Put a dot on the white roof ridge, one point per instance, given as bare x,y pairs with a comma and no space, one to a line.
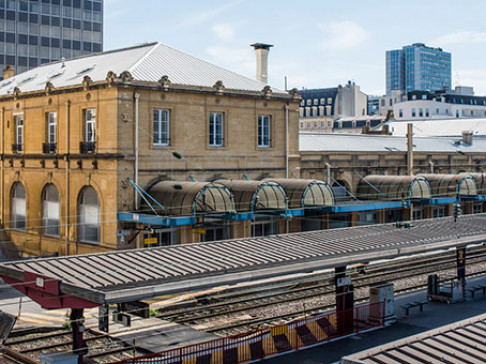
146,55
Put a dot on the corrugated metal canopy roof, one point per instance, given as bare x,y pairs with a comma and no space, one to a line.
441,127
349,143
148,62
143,273
461,342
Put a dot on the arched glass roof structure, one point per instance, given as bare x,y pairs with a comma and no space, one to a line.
450,185
256,195
189,198
381,187
306,193
480,179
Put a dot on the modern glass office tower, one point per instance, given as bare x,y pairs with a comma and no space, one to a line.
33,32
418,67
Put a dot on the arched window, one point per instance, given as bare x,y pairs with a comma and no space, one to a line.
18,213
51,210
89,216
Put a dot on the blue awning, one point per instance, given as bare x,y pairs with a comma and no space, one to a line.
371,206
435,201
156,220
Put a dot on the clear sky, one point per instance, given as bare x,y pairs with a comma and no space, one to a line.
317,43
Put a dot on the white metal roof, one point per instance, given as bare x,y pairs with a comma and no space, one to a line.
148,62
381,143
444,127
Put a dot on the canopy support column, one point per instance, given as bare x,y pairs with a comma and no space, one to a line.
461,267
77,326
344,300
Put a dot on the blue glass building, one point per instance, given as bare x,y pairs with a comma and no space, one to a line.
33,32
418,67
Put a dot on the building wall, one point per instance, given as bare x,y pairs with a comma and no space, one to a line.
113,160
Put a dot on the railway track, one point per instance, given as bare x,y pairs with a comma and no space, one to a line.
266,297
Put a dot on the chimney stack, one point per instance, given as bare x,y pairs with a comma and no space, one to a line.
467,137
8,72
261,51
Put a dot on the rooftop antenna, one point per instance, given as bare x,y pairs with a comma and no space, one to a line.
456,78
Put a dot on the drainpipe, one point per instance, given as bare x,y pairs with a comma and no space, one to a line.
136,97
410,149
287,140
68,167
328,168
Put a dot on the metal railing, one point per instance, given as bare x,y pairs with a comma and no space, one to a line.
87,147
278,339
49,147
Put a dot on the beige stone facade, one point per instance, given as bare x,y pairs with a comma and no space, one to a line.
106,164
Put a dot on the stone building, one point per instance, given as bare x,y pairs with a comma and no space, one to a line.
74,133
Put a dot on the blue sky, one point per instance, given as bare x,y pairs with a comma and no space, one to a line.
317,43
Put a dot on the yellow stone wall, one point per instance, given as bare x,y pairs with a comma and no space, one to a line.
107,169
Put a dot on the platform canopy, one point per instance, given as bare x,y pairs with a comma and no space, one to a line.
480,179
451,185
381,187
127,275
189,198
306,193
256,195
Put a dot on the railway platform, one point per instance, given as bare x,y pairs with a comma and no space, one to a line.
434,315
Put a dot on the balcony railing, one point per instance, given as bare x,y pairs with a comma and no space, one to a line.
49,147
87,147
17,148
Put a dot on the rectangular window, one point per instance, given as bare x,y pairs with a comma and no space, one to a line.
216,129
264,131
52,128
89,144
161,127
90,119
414,113
19,133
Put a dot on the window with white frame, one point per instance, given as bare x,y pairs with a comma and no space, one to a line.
264,131
89,216
18,206
19,132
52,127
90,124
161,127
51,210
216,129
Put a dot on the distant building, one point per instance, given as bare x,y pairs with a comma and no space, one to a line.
35,32
417,67
373,105
460,103
319,108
